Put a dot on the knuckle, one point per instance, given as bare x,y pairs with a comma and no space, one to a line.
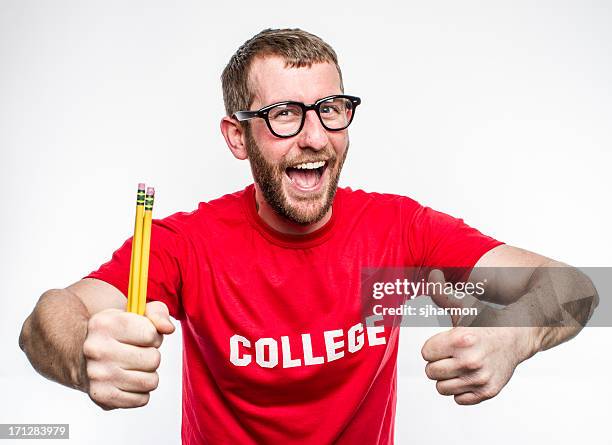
472,363
148,333
91,349
483,378
475,376
157,306
155,358
425,352
463,337
97,373
154,381
159,339
141,382
464,399
442,389
124,320
476,380
148,382
141,400
428,371
99,322
150,358
487,393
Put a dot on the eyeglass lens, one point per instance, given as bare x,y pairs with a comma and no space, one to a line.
335,114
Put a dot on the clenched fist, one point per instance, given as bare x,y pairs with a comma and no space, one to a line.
122,356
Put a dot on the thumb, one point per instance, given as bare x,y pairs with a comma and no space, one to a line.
441,295
157,312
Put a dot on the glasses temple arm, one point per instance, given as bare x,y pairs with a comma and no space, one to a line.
246,115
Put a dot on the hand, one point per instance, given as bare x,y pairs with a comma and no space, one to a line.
122,356
472,364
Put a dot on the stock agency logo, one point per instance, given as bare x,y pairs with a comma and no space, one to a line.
416,297
409,289
538,296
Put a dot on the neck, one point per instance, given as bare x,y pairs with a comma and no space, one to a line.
282,224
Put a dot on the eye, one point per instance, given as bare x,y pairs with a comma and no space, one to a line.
334,107
328,109
284,112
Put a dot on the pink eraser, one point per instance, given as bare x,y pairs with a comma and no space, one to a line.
151,191
141,186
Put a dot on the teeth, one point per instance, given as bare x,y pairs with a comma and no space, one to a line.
310,165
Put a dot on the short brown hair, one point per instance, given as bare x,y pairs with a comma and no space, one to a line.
296,47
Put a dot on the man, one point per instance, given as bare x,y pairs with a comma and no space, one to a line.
266,282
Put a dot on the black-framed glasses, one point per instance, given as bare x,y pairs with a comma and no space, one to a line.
286,119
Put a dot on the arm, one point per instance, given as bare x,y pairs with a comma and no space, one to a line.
53,335
552,300
82,337
546,303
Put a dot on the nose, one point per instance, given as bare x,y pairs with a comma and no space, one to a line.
313,135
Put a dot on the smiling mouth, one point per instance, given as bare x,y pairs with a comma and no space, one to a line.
307,175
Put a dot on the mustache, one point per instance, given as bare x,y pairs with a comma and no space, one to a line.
329,158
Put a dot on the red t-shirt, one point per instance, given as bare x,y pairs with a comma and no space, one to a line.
275,348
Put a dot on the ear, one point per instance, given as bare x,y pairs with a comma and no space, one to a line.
234,137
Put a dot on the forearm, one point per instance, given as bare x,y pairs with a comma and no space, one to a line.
52,338
557,302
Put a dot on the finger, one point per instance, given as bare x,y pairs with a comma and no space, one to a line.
437,347
129,357
157,312
125,327
138,381
463,337
110,397
136,330
467,398
444,369
454,386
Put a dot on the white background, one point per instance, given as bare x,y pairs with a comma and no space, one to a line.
496,112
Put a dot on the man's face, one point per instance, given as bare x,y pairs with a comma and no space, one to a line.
299,194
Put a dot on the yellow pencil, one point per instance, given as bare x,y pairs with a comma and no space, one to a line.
133,285
146,245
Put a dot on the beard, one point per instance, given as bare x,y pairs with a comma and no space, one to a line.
269,177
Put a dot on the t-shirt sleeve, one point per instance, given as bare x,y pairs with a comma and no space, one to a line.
164,278
438,240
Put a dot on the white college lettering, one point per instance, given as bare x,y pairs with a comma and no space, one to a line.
260,352
333,347
373,340
309,359
267,353
288,362
246,358
355,341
